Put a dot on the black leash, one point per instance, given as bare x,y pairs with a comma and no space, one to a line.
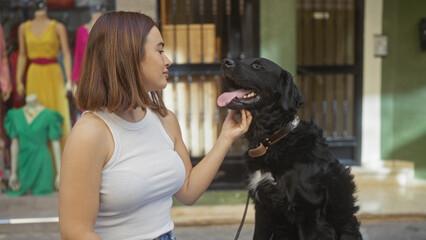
244,217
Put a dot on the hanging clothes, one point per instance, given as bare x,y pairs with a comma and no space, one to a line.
35,166
80,47
5,84
17,101
6,88
44,75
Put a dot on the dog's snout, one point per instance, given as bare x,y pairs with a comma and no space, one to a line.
229,62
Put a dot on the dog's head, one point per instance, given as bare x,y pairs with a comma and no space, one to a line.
258,83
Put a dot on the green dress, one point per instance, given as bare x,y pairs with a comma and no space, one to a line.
35,166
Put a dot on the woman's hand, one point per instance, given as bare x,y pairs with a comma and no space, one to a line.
199,177
232,129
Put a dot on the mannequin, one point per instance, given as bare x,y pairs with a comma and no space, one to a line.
81,40
38,25
29,128
40,40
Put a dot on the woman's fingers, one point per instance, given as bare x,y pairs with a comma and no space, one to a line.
243,118
248,119
245,121
231,114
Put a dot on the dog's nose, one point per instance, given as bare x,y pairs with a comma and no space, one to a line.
229,62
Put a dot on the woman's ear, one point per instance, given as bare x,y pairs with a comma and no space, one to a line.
290,95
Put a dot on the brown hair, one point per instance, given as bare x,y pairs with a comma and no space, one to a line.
111,75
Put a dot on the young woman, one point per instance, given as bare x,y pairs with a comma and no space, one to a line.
125,158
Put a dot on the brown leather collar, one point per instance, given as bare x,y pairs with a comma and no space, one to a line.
278,135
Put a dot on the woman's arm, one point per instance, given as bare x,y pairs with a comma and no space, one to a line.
88,147
199,178
66,55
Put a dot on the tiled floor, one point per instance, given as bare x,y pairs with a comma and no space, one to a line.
391,192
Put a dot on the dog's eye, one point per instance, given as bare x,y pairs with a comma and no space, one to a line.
257,66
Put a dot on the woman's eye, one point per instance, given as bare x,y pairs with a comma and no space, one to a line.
257,66
161,51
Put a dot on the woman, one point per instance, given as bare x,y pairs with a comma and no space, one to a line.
125,158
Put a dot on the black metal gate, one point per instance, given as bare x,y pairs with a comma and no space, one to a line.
198,35
330,44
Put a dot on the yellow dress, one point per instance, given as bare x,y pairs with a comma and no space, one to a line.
46,79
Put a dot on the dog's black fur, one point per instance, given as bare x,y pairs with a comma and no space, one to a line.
309,194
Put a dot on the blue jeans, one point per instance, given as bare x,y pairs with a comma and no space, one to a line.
166,236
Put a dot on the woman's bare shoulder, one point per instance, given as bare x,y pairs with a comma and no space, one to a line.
170,124
91,128
90,121
90,138
169,120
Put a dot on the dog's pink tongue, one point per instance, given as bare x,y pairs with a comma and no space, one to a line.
227,97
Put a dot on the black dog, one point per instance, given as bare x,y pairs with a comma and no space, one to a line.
300,190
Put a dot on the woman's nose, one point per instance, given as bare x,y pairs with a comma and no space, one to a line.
168,61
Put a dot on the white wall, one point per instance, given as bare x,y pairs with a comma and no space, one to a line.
372,77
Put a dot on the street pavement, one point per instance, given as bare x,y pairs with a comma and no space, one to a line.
370,231
389,211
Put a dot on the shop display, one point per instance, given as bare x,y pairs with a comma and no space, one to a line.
30,128
44,75
35,59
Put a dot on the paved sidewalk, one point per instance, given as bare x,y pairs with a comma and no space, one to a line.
384,195
370,231
392,207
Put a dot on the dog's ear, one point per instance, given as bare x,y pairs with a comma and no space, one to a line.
290,95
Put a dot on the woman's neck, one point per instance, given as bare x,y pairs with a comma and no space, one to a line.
134,115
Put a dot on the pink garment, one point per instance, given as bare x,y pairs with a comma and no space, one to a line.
80,47
5,84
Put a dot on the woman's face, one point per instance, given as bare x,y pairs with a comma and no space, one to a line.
155,62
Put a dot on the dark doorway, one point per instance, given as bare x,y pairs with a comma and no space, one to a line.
329,71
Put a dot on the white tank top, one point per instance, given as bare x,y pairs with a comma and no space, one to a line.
139,180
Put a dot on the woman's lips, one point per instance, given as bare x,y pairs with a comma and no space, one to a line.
166,73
